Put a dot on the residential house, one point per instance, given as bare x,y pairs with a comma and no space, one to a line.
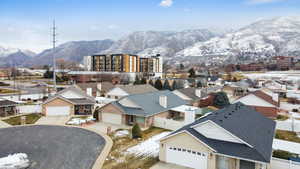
96,89
263,102
236,137
7,108
120,91
70,101
140,108
191,95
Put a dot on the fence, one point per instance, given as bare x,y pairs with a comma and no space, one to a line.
167,123
27,109
277,163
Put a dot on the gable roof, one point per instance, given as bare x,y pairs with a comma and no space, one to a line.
149,103
137,89
264,96
105,86
86,99
4,103
191,93
257,130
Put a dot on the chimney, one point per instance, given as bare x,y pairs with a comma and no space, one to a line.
163,101
198,92
99,86
89,91
275,97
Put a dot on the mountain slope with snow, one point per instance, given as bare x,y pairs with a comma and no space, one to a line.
146,43
277,36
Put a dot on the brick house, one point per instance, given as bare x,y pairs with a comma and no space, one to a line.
265,103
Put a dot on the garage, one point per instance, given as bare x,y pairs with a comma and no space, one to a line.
58,110
112,118
186,157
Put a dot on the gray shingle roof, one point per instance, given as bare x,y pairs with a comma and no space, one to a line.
245,123
190,92
4,103
149,103
137,89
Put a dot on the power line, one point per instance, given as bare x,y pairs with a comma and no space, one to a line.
53,51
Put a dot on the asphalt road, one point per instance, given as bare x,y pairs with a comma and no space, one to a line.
52,147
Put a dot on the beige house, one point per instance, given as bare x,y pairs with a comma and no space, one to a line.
140,108
70,101
222,140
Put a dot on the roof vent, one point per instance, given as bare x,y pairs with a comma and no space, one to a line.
221,120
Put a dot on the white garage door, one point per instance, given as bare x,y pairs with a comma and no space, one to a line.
58,111
112,118
186,157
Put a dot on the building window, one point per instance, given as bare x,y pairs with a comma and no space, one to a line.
222,162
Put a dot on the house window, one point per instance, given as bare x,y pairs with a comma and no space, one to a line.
140,120
116,97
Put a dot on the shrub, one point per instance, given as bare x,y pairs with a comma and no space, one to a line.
136,131
221,100
282,154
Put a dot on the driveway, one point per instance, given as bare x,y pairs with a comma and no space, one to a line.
53,120
162,165
53,147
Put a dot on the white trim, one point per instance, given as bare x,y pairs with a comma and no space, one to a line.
260,162
184,131
209,121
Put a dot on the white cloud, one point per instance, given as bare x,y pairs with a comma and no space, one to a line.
263,1
166,3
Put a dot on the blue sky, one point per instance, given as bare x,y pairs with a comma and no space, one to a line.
26,23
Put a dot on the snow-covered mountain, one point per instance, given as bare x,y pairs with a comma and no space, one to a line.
5,51
264,38
71,51
167,43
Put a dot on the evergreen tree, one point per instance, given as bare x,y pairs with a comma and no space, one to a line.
137,81
174,85
150,82
221,100
199,84
144,80
167,85
158,85
181,66
136,131
192,73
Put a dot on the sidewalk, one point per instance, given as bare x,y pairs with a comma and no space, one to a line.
3,124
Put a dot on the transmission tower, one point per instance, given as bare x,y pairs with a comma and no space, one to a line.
54,58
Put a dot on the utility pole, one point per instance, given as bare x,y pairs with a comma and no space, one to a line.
54,58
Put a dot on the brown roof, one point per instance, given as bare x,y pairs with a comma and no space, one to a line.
137,89
265,97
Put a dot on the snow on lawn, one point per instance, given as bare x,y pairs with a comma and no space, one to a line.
14,161
122,133
148,148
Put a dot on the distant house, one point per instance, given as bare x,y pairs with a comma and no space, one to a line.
265,103
7,108
96,89
140,108
70,101
192,95
120,91
236,137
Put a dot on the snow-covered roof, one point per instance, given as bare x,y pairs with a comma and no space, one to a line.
185,109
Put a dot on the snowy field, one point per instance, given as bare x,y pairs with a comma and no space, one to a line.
148,148
284,75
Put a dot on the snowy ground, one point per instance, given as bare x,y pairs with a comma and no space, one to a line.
286,146
284,75
15,161
288,106
148,148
